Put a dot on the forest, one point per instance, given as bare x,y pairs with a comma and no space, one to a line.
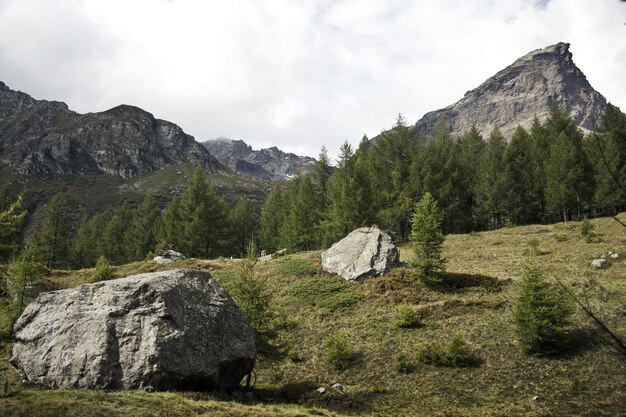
549,173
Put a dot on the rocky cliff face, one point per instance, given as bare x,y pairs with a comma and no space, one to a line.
270,163
46,139
512,97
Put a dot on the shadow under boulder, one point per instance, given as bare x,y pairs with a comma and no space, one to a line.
174,329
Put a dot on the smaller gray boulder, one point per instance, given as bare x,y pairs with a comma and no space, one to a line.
166,257
598,263
364,253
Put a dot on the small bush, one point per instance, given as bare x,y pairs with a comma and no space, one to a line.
294,356
338,353
403,366
406,317
104,270
561,238
455,354
540,311
533,246
587,232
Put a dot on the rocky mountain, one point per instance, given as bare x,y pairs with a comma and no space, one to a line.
269,163
45,139
512,97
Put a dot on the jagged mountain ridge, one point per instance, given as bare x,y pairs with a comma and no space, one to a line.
514,95
269,163
46,139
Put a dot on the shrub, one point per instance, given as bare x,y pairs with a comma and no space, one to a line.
541,312
587,232
561,238
406,317
104,270
455,354
339,355
403,366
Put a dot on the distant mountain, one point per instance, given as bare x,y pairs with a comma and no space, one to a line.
512,97
270,163
45,139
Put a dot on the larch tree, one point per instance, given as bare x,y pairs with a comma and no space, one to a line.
427,238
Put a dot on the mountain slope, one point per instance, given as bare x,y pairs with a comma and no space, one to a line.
45,139
512,97
270,163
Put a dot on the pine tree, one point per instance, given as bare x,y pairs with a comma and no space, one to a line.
12,222
303,216
392,154
140,238
255,301
568,172
86,246
606,148
523,196
24,274
244,225
349,198
490,188
168,229
541,312
53,239
204,220
441,174
471,148
320,176
273,215
427,237
112,241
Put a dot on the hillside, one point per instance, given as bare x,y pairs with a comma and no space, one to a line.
525,89
473,302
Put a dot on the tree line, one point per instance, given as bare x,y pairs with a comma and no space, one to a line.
548,173
198,224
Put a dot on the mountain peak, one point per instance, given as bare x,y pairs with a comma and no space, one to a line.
513,96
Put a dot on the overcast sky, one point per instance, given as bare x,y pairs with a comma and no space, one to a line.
297,74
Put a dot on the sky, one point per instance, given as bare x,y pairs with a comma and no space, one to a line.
296,74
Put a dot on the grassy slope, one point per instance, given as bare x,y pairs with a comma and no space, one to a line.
473,302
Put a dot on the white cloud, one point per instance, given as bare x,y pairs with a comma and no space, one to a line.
296,74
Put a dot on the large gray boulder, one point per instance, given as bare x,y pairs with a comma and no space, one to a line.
364,253
174,329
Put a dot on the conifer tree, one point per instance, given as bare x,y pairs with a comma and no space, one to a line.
606,148
140,238
523,196
11,225
112,241
392,153
168,229
349,202
490,187
320,176
299,228
273,215
24,274
204,219
53,239
568,172
255,300
541,312
244,225
427,237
